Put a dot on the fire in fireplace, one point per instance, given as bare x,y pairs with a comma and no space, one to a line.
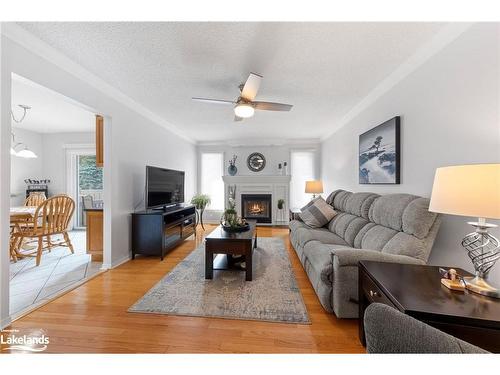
257,207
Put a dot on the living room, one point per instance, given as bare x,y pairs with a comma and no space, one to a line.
275,187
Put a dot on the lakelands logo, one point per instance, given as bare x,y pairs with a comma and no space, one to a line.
32,341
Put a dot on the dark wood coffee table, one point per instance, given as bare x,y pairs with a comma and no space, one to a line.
417,291
231,244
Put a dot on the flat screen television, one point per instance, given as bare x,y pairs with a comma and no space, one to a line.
164,187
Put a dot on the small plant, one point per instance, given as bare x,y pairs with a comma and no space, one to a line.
281,204
230,216
201,201
232,162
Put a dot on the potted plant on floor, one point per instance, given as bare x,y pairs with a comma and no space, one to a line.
200,202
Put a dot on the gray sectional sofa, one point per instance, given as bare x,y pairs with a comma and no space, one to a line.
389,228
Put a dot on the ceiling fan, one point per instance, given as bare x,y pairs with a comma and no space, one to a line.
245,105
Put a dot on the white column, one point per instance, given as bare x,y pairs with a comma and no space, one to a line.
5,129
108,194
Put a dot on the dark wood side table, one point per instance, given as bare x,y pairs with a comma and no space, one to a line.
231,244
417,291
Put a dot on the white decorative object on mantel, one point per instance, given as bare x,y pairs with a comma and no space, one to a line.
277,186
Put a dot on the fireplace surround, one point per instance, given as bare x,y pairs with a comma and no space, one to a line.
277,187
257,207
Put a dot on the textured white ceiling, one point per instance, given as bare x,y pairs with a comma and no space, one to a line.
50,111
323,69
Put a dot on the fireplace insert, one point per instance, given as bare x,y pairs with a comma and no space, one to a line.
257,207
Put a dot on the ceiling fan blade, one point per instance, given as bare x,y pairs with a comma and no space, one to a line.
251,86
214,101
269,106
236,118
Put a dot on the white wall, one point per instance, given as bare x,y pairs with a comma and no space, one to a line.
274,155
50,164
54,157
449,109
22,168
134,138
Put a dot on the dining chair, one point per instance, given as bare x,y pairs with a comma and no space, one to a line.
88,201
51,217
13,244
35,198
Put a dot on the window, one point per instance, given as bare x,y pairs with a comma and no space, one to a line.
88,186
211,179
302,169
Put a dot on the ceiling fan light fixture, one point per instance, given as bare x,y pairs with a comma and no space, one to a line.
244,110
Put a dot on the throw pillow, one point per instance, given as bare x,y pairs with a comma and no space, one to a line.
317,213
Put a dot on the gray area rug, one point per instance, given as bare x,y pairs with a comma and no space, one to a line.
272,295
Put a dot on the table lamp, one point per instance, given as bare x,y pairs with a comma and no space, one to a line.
314,187
472,190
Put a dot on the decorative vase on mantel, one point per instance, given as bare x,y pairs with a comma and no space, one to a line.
232,170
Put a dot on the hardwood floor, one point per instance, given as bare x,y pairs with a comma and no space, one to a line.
93,318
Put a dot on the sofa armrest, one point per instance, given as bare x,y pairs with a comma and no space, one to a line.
389,331
351,257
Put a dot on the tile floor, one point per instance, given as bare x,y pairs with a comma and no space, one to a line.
58,271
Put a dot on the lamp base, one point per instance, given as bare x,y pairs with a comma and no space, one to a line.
479,285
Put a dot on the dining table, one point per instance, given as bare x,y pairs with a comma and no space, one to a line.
21,213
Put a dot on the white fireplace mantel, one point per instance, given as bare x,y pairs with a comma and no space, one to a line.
278,186
257,179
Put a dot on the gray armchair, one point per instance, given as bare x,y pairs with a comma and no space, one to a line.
390,331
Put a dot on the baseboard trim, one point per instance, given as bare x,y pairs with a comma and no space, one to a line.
117,263
5,322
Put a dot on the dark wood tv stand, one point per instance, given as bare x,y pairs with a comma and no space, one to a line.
155,232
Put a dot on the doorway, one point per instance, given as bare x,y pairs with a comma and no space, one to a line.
60,134
85,182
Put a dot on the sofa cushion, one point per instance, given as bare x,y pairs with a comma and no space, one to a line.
347,226
318,213
296,224
340,198
376,237
359,237
304,235
387,210
406,244
359,204
332,195
417,219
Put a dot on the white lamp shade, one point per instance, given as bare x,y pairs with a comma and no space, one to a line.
244,110
314,187
467,190
27,154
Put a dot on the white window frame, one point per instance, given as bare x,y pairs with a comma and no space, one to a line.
72,152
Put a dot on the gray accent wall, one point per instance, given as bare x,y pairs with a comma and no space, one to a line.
449,108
